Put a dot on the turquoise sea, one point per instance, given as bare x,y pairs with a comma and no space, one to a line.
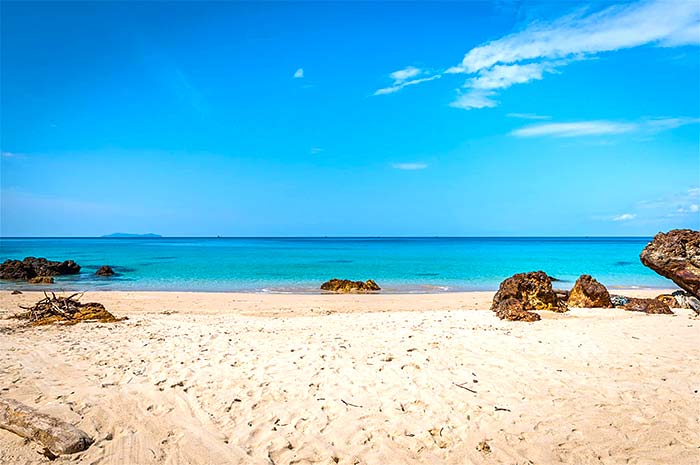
302,264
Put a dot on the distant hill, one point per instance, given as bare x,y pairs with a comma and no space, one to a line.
132,235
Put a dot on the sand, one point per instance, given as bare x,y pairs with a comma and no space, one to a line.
214,378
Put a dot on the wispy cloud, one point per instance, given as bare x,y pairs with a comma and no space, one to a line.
624,217
533,116
575,129
402,78
545,47
674,205
410,166
316,150
299,74
601,127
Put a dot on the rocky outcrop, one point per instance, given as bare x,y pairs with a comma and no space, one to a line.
533,290
676,255
41,280
347,286
589,293
649,306
512,309
32,267
105,271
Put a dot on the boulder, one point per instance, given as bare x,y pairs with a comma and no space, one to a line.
676,255
533,290
512,309
589,293
649,306
105,271
347,286
31,267
41,280
16,292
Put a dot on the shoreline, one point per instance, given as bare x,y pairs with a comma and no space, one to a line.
278,304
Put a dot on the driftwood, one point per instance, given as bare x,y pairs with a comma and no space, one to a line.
65,310
55,435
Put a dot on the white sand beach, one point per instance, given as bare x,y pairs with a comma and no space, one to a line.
217,378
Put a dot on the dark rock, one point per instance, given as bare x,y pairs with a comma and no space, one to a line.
105,271
41,280
512,309
16,292
31,267
676,255
17,270
346,286
649,306
589,293
533,290
619,300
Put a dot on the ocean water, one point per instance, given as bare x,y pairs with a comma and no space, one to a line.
302,264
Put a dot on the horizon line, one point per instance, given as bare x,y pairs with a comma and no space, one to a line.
336,237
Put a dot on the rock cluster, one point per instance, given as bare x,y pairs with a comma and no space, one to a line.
589,293
347,286
532,291
105,271
41,280
676,255
32,267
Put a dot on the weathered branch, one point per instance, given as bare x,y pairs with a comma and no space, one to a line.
55,435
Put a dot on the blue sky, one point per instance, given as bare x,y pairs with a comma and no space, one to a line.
288,119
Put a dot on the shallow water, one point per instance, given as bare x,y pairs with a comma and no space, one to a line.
302,264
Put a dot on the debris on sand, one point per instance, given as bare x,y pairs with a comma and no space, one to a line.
65,310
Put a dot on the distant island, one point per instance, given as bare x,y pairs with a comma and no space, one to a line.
121,235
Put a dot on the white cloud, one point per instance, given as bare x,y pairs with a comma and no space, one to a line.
527,116
544,47
298,74
404,74
624,217
692,208
474,99
602,127
401,80
409,166
662,124
316,150
575,129
613,28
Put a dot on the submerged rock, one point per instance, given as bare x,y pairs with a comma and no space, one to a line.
589,293
512,309
32,267
649,306
41,280
676,255
105,271
533,290
347,286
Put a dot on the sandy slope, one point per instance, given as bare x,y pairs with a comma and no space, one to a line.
244,378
